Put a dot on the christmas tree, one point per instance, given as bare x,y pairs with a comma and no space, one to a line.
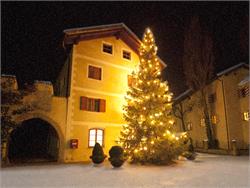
148,136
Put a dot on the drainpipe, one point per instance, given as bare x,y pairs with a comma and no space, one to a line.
224,101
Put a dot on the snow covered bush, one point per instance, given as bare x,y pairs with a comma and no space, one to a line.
98,155
116,156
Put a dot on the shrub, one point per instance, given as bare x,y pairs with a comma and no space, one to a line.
116,156
116,151
189,155
98,155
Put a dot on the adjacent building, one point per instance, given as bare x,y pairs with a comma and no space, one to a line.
228,102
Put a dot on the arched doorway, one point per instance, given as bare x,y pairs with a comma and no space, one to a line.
35,140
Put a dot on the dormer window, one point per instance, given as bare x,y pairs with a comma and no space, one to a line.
107,48
126,54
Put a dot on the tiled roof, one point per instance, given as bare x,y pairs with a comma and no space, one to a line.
119,30
228,70
244,81
183,95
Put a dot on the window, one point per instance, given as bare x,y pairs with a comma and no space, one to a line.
91,104
246,116
126,54
212,98
94,72
107,48
244,91
214,119
131,80
189,126
203,124
95,136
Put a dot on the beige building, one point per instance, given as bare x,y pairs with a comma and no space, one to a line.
87,99
228,102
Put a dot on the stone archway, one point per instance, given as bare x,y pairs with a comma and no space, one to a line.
35,140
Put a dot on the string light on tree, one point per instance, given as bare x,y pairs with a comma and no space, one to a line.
149,120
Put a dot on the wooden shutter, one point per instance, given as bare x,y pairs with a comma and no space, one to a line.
102,105
83,103
91,72
130,80
97,73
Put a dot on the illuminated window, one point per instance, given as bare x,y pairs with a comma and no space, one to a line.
95,136
126,54
203,124
214,119
94,72
107,48
189,126
246,116
91,104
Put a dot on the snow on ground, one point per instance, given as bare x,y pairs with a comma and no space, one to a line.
206,171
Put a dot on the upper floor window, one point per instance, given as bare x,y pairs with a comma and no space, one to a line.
91,104
246,116
107,48
96,136
244,91
94,72
126,54
212,98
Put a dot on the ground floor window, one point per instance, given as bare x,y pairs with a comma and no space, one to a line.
189,126
96,135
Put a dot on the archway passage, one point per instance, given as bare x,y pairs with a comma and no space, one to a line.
34,141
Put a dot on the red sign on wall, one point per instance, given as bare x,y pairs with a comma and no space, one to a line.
74,143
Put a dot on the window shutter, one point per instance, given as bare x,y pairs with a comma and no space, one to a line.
130,80
102,105
83,103
98,73
91,72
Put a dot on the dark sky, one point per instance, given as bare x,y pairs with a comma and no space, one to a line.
32,32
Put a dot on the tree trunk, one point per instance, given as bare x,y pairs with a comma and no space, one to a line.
183,125
182,118
208,125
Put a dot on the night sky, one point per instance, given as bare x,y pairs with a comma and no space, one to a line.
32,32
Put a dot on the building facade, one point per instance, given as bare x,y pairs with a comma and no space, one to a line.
228,103
99,67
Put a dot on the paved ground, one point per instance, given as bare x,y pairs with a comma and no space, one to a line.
206,171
